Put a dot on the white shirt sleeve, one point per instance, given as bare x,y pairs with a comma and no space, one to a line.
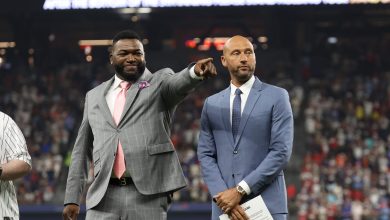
245,186
193,74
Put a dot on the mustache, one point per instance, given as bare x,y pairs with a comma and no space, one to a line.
134,76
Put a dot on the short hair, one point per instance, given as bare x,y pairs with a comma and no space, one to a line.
126,34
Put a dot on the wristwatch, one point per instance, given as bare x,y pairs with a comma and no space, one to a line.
240,190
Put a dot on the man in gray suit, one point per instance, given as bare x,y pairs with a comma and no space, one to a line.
246,138
125,133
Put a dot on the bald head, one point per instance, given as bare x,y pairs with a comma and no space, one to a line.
233,41
239,58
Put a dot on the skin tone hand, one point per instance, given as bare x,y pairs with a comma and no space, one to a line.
228,199
238,213
71,211
205,68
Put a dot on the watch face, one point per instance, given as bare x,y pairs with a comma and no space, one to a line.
240,190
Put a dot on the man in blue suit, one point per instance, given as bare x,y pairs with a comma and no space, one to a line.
246,138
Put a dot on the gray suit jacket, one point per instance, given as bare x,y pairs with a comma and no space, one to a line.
262,148
144,131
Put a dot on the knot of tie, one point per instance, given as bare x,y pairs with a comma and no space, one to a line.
125,85
238,92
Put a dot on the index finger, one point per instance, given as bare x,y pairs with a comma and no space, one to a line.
206,60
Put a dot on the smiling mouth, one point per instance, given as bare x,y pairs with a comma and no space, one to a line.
130,66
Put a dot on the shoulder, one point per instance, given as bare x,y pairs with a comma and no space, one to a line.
5,120
164,71
97,89
3,116
217,96
274,91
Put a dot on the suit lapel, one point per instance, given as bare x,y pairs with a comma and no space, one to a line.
225,111
253,97
133,92
103,102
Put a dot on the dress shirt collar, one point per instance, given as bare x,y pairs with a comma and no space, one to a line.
116,83
245,88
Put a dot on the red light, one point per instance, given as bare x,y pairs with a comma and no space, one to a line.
190,43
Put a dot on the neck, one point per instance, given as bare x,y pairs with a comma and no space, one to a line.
239,83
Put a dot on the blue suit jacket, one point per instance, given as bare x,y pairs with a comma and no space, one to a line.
262,148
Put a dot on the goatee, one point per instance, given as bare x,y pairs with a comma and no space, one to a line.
130,77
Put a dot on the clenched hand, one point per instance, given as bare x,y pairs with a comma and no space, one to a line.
70,212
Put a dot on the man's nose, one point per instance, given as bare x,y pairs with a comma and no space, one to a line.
243,58
130,58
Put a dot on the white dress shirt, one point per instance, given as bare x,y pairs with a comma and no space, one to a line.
245,89
113,92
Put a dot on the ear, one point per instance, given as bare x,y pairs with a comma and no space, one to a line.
223,61
110,57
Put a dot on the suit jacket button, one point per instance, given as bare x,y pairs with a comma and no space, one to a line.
235,152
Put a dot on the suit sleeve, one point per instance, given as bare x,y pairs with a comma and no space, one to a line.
207,155
176,86
81,157
282,131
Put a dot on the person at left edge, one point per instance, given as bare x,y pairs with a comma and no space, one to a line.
15,162
141,135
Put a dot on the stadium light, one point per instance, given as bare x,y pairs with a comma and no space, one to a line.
7,44
132,5
95,42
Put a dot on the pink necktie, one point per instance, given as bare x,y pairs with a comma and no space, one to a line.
119,164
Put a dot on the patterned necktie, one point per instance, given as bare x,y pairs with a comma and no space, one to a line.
119,164
236,114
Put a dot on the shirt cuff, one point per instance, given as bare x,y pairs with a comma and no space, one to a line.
245,186
193,74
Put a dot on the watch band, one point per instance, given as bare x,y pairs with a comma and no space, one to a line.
1,170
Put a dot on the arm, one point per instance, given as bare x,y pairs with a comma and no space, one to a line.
176,86
207,155
281,140
19,160
14,169
81,156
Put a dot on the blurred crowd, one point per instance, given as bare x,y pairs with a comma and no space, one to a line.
345,173
47,106
339,91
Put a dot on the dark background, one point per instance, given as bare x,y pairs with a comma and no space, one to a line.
339,94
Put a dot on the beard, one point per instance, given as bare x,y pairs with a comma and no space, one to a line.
130,75
243,76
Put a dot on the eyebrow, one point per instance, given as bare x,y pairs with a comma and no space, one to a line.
239,50
129,50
